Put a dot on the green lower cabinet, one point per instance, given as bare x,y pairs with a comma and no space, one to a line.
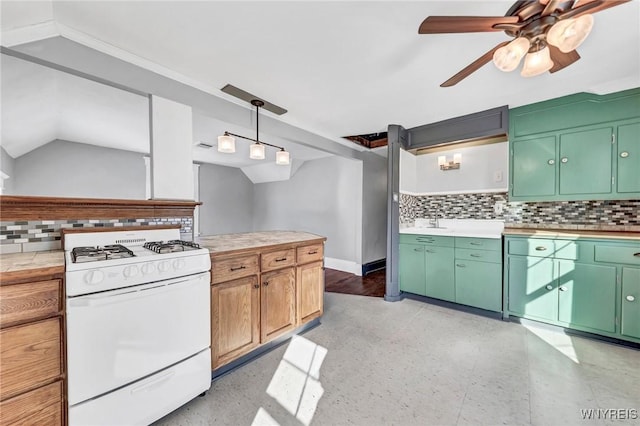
411,269
479,284
440,273
630,323
532,288
587,295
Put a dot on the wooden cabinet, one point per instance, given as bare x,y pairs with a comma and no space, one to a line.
259,295
32,350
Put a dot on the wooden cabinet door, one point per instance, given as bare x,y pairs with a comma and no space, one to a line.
235,319
310,291
630,302
533,167
585,162
532,287
277,303
411,270
42,406
629,158
587,295
439,265
479,284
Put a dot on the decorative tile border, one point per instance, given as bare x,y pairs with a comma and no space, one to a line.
38,235
584,214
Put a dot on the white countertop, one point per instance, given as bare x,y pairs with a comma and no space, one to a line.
474,228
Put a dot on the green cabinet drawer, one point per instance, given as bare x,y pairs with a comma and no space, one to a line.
478,255
479,284
629,254
479,243
540,247
434,240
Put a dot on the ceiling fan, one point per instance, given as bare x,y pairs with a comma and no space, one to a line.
546,33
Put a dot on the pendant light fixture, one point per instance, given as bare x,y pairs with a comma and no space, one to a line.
257,150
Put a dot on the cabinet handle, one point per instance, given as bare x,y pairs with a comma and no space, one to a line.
562,288
549,287
564,160
256,286
430,251
313,252
282,259
418,249
266,283
238,268
551,162
630,298
636,254
541,248
624,154
475,244
459,265
475,255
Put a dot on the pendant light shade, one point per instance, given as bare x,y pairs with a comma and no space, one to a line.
508,57
226,144
256,151
568,34
282,158
536,63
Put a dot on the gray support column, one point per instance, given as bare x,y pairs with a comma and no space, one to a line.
397,137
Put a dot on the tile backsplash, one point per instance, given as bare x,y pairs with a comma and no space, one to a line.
39,235
583,214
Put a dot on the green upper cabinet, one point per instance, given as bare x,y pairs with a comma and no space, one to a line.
628,158
578,147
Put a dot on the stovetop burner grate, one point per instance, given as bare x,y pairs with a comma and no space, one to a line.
91,254
170,246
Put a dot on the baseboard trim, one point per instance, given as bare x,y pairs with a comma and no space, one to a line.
376,265
343,265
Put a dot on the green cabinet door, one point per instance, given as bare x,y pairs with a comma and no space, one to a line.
479,284
532,287
411,268
630,302
585,162
587,295
533,167
439,269
629,158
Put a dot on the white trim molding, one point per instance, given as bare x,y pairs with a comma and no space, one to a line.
472,191
343,265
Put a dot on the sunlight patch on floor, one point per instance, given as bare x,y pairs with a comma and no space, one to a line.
559,341
263,418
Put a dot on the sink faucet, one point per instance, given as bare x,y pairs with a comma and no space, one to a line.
434,221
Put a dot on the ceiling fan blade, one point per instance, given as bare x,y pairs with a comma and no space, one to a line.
463,24
590,6
472,67
560,59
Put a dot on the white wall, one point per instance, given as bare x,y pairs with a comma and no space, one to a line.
6,169
477,172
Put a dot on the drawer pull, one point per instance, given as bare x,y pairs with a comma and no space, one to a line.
418,249
238,268
475,255
266,283
256,286
313,252
636,254
459,265
549,287
282,259
562,288
630,298
475,244
541,248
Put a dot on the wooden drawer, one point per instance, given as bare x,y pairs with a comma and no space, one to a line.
310,253
479,243
479,255
29,301
433,240
234,267
42,406
618,254
277,259
30,355
540,247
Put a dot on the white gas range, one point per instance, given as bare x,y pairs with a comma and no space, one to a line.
138,325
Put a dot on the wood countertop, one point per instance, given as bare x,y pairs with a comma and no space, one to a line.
232,243
572,233
16,267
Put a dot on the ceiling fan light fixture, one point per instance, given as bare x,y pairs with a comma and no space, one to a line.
282,158
256,151
508,57
568,34
226,144
535,63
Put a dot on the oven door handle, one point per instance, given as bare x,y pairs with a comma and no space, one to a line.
122,295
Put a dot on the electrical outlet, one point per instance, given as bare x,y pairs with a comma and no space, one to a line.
498,207
497,176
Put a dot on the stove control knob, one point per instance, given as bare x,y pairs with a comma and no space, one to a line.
164,266
178,264
148,268
94,277
130,271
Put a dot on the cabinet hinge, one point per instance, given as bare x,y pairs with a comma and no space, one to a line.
613,138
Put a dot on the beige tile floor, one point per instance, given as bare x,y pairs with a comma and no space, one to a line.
410,363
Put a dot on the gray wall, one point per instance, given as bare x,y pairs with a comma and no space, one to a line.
227,200
69,169
323,197
374,207
7,167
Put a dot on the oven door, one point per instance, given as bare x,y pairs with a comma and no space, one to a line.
117,337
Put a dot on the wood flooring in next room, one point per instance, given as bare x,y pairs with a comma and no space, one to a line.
343,282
